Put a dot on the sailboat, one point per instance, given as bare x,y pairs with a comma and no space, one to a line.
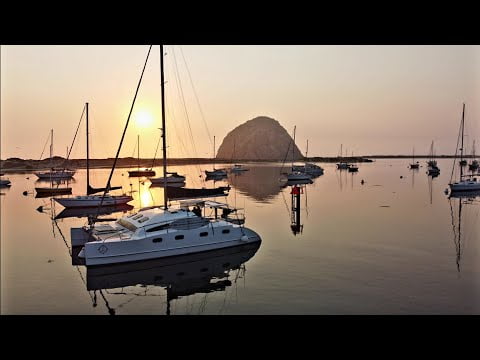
93,200
5,182
413,164
138,172
160,231
342,165
54,173
309,168
169,178
433,169
237,168
296,175
465,182
216,173
474,165
54,176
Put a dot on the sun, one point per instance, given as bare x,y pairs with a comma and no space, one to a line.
144,118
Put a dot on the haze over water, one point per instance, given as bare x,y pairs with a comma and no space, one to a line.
389,246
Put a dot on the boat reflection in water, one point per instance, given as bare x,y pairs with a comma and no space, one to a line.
469,199
180,276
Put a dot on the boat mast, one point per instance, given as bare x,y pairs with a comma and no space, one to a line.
293,147
88,153
213,152
164,141
138,151
461,149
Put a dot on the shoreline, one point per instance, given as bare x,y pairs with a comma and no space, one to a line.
29,165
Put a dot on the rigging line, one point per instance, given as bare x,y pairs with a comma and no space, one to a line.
180,89
76,132
134,148
44,146
196,97
107,188
286,154
456,151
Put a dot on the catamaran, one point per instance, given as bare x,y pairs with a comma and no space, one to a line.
160,231
465,182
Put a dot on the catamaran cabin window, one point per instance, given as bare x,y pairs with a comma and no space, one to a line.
179,237
157,240
205,233
143,220
158,228
137,217
225,231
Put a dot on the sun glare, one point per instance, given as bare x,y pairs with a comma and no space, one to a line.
144,118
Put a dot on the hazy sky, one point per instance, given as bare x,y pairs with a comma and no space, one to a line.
371,99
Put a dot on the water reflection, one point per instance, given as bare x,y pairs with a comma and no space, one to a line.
260,183
181,276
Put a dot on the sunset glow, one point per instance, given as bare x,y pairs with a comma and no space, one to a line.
144,118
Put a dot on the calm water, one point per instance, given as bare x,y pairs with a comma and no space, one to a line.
389,246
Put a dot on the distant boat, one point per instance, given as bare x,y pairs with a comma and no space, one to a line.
237,168
93,200
474,165
81,212
308,168
5,182
433,169
464,182
294,174
172,177
138,172
342,165
53,173
413,164
216,173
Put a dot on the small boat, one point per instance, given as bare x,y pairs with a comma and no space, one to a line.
465,182
5,182
177,193
89,200
237,168
474,165
352,168
295,174
216,173
54,173
52,191
140,172
308,168
172,177
433,169
413,164
342,165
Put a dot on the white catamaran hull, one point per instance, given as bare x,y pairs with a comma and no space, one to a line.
120,251
92,201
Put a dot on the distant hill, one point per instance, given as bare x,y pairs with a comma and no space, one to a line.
261,138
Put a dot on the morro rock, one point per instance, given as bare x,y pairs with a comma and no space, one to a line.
262,138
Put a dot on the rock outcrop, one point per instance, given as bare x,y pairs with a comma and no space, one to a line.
262,138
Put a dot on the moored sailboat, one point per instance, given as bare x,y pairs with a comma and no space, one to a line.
465,182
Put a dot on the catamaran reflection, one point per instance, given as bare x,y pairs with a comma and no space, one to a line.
180,276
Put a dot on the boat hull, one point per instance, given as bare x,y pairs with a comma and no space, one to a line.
122,251
92,201
140,173
465,186
55,175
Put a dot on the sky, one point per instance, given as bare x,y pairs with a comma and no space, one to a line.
371,99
